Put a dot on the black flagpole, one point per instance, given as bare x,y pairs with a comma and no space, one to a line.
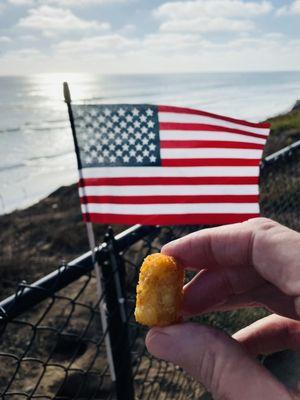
92,242
68,101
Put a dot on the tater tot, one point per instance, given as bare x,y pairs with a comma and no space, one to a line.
159,291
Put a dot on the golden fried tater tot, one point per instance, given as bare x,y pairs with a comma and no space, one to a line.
159,291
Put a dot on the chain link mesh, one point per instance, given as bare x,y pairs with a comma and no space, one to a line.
56,350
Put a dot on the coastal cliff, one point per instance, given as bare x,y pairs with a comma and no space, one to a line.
34,241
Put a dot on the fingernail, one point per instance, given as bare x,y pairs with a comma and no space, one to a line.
157,340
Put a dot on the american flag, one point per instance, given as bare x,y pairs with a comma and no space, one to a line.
166,165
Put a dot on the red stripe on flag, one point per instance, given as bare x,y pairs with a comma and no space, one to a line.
214,144
172,219
209,162
179,126
183,110
169,199
145,181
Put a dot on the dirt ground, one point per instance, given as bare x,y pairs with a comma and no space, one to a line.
34,242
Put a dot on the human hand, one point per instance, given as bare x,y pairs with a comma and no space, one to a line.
249,264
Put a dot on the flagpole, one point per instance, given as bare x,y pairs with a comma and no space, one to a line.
91,239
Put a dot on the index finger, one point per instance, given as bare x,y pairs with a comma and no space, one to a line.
224,246
263,245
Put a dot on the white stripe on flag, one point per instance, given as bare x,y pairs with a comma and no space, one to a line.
120,172
159,209
186,118
210,153
208,135
169,190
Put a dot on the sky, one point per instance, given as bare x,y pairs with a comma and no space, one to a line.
148,36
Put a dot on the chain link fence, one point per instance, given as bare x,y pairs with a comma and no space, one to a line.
280,187
52,340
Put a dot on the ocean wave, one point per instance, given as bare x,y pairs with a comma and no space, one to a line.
12,166
50,156
50,121
35,128
48,128
34,160
10,130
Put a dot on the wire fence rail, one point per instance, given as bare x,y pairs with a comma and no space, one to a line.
52,339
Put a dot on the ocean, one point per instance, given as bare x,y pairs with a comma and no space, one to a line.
36,148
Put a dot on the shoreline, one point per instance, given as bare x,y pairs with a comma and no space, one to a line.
36,239
70,176
27,202
38,130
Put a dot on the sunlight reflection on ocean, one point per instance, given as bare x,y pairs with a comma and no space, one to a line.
36,149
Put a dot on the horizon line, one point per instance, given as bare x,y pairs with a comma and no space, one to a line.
149,73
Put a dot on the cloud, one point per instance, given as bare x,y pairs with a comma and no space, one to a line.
159,52
21,2
111,43
28,38
22,61
292,9
5,39
23,54
218,8
206,24
117,44
166,42
128,29
85,2
210,15
69,3
51,21
178,45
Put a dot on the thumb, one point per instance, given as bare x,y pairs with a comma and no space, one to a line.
216,360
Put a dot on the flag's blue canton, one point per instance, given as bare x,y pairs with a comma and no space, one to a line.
117,135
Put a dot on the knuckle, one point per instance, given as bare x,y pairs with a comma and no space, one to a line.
274,256
262,223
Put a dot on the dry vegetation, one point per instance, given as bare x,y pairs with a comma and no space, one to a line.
34,242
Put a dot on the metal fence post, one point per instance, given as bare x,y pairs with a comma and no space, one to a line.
113,272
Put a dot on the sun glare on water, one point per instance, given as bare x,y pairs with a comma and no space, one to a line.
51,85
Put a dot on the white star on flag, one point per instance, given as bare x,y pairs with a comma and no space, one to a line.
165,165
